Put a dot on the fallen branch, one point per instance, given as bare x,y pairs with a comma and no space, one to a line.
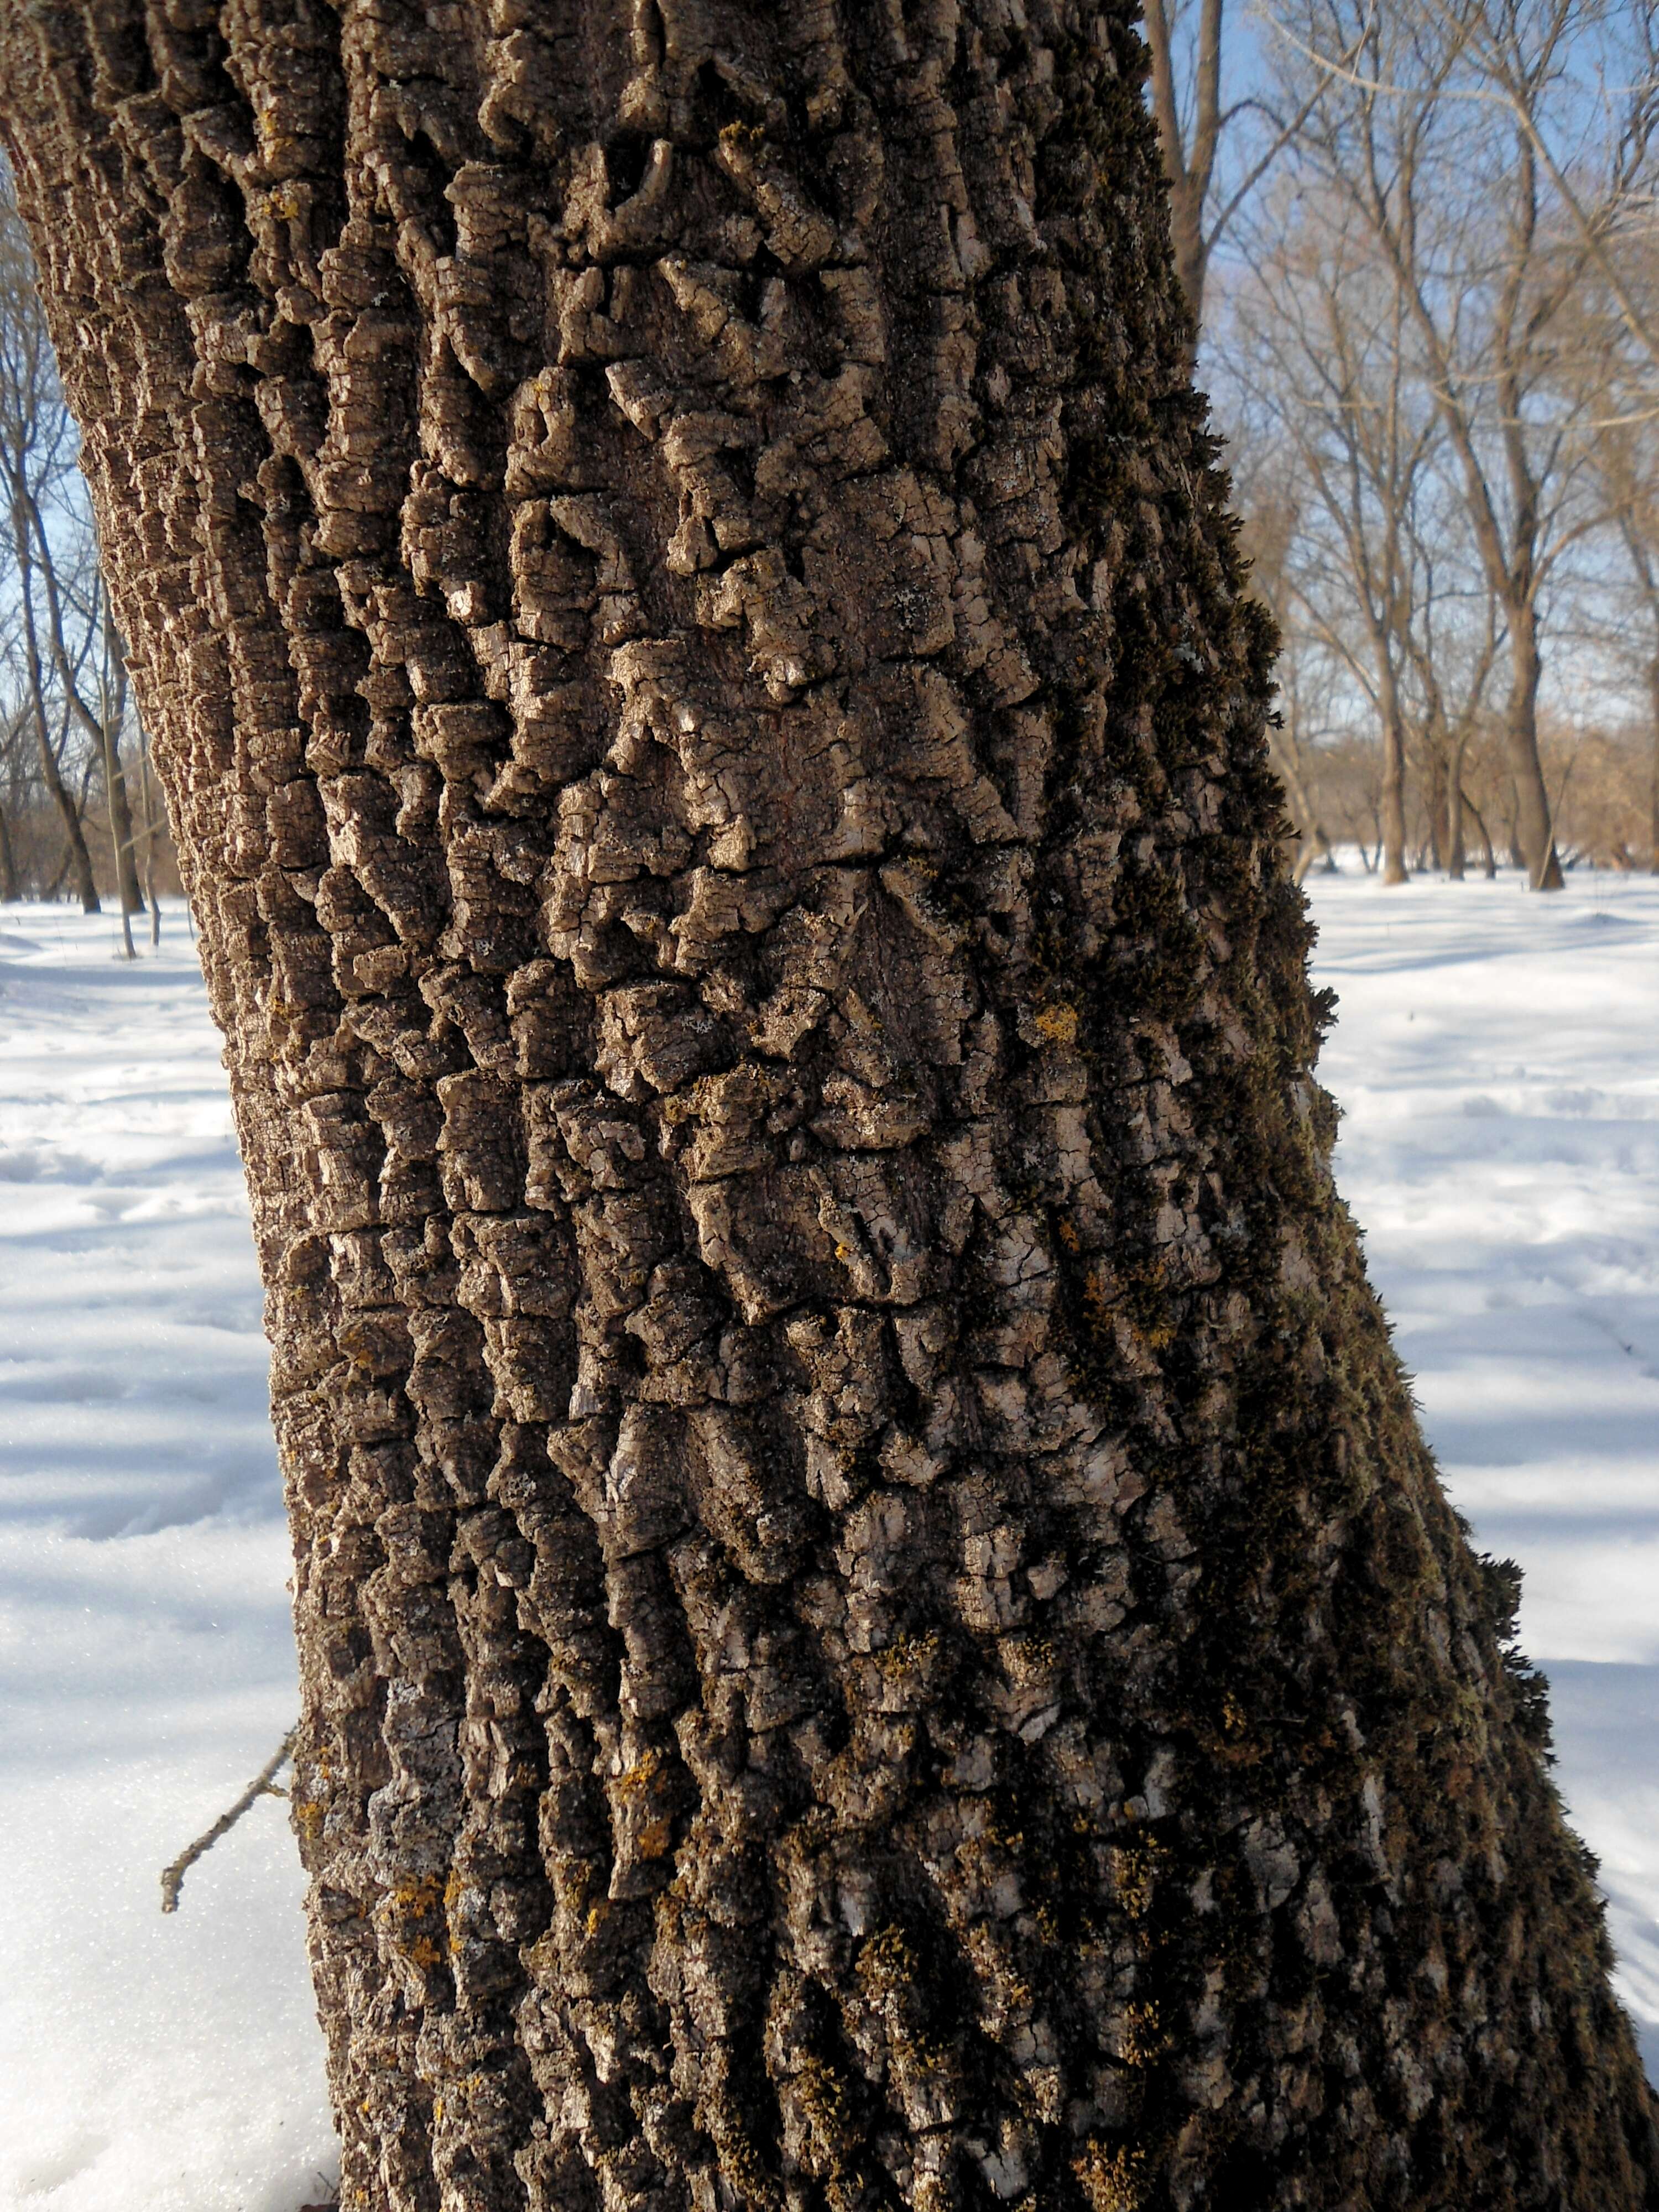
264,1785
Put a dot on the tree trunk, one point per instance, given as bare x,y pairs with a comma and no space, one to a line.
120,840
148,790
1534,836
129,889
1456,858
1439,821
1488,855
876,1627
1653,787
77,859
1309,836
9,884
1392,825
1191,259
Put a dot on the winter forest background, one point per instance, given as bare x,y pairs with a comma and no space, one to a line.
1423,244
1421,239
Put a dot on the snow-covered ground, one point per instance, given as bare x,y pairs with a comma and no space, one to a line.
146,1667
1497,1058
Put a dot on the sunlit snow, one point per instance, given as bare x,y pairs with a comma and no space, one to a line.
1498,1062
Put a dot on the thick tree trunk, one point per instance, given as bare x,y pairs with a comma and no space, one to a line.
876,1627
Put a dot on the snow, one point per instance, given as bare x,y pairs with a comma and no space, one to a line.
1498,1062
146,1663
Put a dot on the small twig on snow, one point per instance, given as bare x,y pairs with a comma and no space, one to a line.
264,1785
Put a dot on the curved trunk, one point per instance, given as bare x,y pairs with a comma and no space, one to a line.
876,1626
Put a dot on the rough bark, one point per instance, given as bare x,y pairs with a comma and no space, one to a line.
876,1627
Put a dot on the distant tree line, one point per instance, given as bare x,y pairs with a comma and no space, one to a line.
81,814
1420,246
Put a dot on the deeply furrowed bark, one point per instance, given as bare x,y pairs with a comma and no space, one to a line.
875,1625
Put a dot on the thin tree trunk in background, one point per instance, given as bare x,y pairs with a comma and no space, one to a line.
130,891
1534,837
1310,837
1436,804
1456,805
876,1627
9,886
1188,160
120,840
102,729
77,860
1393,807
1653,697
148,788
1488,856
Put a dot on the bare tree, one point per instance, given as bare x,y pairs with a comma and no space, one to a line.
1195,121
876,1627
63,653
1620,374
1320,325
1489,265
1267,535
10,883
1453,674
36,444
